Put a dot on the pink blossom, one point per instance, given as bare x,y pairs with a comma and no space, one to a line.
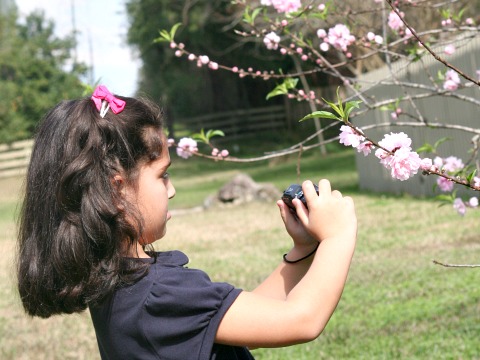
365,147
271,41
284,23
370,36
170,142
324,46
191,57
321,7
213,65
204,59
321,33
452,164
304,57
404,163
186,147
438,162
469,21
449,49
339,37
426,164
266,2
378,39
395,22
452,80
178,53
215,152
459,206
450,85
224,153
349,137
286,6
395,141
473,202
394,116
445,184
476,181
392,142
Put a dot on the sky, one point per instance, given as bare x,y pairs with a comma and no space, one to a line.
102,27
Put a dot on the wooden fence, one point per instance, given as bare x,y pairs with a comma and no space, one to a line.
14,158
238,124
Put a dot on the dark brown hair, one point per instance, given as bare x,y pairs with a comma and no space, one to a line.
73,224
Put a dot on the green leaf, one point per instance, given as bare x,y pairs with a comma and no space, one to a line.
428,148
164,37
174,30
167,36
212,133
471,176
283,88
349,106
440,141
321,114
445,198
255,14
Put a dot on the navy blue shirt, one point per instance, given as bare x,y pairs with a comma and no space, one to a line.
171,313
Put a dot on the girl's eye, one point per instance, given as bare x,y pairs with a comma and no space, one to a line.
165,175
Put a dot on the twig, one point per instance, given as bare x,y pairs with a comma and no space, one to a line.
426,47
455,265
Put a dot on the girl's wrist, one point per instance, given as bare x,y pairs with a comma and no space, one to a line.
300,253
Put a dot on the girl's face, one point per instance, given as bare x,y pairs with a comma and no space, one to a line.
151,195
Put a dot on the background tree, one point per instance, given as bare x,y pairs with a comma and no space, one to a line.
36,71
207,29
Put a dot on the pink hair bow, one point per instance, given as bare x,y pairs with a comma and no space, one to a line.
105,100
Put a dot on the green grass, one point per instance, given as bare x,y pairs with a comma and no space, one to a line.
396,305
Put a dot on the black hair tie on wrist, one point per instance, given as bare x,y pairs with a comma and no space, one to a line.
303,258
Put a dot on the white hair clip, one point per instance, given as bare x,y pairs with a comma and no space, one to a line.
104,109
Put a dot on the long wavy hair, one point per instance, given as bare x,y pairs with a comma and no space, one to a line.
74,224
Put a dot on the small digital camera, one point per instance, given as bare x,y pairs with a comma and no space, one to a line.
295,191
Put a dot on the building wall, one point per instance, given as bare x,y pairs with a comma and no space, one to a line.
436,109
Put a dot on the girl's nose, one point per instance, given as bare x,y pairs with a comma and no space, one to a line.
171,190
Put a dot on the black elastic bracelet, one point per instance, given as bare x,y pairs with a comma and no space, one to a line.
303,258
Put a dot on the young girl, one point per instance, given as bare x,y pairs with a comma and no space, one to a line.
97,196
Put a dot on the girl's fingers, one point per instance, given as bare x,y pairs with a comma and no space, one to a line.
324,187
337,194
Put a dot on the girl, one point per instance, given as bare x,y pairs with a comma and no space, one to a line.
97,196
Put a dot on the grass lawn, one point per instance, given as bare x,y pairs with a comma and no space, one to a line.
397,304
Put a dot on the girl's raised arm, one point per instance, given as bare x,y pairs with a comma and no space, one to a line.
257,319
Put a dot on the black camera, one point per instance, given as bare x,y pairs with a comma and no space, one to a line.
295,191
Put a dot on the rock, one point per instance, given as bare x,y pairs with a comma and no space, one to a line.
241,189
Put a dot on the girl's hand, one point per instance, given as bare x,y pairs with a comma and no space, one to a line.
301,237
329,214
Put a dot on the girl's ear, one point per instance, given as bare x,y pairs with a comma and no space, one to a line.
119,183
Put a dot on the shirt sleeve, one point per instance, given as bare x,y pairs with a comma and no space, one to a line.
183,312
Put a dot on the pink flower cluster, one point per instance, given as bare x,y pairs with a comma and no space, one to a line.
461,206
395,22
283,6
351,137
338,36
271,41
400,159
372,37
220,153
186,147
450,165
452,80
